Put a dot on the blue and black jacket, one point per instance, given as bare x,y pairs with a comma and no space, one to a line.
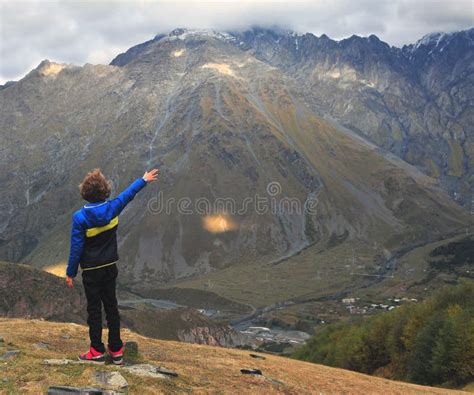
94,231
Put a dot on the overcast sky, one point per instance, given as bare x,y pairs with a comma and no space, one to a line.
96,31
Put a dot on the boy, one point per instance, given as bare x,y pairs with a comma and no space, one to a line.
94,247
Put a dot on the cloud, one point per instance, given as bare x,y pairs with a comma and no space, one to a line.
85,31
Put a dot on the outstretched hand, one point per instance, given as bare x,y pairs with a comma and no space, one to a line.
151,175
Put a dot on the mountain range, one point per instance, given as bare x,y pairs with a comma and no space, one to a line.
378,138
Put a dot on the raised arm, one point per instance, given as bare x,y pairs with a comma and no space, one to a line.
119,203
77,243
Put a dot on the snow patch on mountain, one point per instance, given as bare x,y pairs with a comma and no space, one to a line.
439,40
183,34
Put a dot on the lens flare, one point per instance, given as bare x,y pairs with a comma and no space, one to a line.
219,223
58,269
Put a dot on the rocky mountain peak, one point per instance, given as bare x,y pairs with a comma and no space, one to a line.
47,68
275,43
371,43
439,42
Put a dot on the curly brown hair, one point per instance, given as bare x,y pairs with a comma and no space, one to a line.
95,187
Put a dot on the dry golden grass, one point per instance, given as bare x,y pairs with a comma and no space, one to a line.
201,369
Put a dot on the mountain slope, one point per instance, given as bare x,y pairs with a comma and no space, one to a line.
30,293
416,101
220,372
430,343
220,123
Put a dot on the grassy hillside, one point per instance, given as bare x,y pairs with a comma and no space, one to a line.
429,343
201,369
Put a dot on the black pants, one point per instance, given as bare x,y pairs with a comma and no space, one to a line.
99,285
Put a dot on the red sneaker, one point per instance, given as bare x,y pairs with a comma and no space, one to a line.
117,356
93,356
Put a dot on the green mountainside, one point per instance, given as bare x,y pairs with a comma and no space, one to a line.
428,343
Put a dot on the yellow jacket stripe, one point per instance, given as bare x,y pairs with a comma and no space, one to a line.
95,231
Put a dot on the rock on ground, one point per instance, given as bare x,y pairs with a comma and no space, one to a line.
60,361
147,370
131,348
110,379
9,355
104,377
65,390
